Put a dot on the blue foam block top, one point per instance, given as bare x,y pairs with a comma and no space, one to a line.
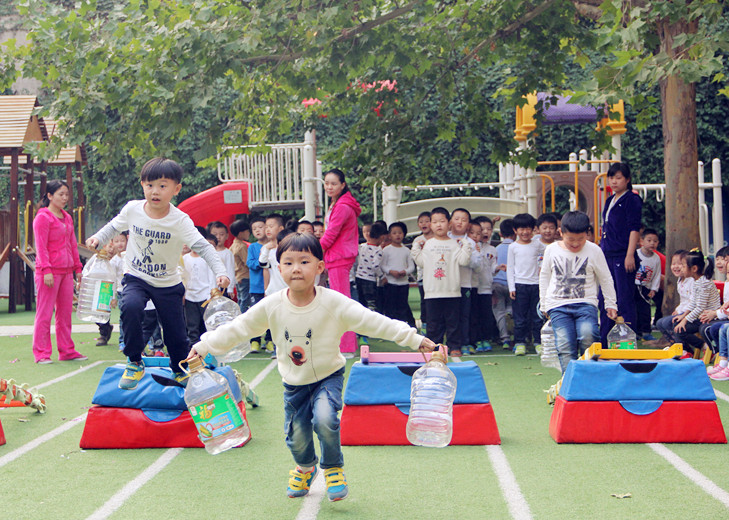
389,383
662,380
149,394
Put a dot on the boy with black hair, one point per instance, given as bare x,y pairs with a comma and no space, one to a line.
547,226
484,315
157,232
308,322
304,226
568,286
460,224
522,272
257,279
441,258
318,229
368,266
397,264
647,282
426,232
220,232
239,248
500,289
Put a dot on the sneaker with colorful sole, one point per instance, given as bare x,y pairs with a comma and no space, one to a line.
337,488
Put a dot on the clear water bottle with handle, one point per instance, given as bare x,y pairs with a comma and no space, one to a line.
220,310
549,355
621,335
432,392
97,289
219,422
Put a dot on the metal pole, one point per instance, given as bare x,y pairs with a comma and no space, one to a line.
310,186
703,233
718,217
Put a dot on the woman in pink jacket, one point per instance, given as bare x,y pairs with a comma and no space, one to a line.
341,242
55,264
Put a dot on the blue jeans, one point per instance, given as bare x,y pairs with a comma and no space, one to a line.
724,340
575,329
244,294
315,408
665,326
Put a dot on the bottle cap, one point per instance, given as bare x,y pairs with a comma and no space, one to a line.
195,364
103,254
620,320
438,355
213,293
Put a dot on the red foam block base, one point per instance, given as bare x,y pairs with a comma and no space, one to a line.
595,422
7,403
129,428
2,435
384,425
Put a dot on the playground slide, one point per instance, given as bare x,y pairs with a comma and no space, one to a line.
408,212
220,203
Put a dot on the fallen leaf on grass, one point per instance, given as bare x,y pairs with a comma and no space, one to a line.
14,360
622,495
491,364
23,420
538,374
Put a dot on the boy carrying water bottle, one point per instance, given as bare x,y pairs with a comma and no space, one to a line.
307,322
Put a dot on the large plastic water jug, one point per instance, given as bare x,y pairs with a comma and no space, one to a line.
220,310
621,336
219,422
97,289
432,392
549,354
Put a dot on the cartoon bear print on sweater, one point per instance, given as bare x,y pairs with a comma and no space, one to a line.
298,347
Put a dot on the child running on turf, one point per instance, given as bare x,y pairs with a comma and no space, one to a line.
568,285
684,287
441,257
705,296
307,322
157,232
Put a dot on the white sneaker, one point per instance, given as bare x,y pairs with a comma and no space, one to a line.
348,355
714,369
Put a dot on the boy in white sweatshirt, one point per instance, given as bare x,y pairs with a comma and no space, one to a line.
441,258
397,264
307,322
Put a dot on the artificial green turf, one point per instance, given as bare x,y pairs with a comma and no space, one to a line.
398,482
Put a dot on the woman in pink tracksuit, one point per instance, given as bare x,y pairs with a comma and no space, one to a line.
56,262
341,242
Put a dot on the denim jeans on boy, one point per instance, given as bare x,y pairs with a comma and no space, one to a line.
314,408
244,294
575,329
665,326
710,333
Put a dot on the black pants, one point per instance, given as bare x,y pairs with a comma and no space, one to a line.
423,313
483,323
396,303
255,298
444,320
366,293
194,317
105,330
527,324
642,310
689,338
170,310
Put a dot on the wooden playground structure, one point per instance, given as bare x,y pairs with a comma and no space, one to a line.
19,126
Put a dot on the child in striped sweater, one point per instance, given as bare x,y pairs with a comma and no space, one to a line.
705,296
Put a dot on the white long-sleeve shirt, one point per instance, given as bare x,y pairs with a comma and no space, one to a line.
522,265
201,280
397,259
368,262
572,278
268,260
685,287
486,270
307,338
648,273
154,245
440,260
226,256
467,269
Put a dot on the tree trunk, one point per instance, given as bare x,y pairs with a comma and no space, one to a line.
680,161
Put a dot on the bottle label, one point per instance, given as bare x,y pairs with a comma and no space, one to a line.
625,344
216,417
103,294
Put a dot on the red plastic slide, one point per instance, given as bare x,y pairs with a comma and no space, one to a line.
220,203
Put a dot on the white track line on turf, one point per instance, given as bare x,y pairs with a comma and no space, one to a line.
135,485
25,448
515,500
312,502
721,395
689,472
119,498
71,374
